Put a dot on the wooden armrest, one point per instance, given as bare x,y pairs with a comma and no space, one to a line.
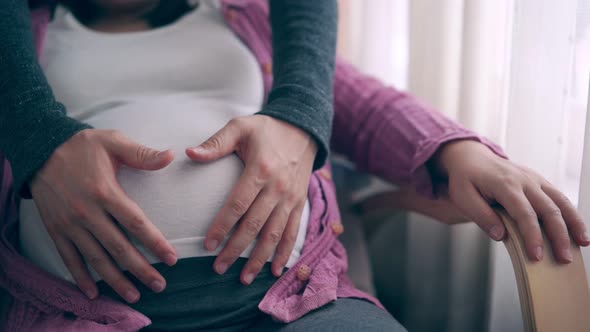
406,199
553,297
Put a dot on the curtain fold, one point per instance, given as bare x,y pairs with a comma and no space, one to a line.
540,61
584,205
457,64
504,69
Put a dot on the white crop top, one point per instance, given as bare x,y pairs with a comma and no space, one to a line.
170,87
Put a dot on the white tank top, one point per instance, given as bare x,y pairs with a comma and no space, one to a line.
170,87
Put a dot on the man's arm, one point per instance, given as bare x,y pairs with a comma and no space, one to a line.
32,123
304,47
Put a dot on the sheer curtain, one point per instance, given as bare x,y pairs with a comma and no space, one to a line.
514,70
585,186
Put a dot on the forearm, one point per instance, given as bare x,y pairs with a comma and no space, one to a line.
390,133
32,123
304,48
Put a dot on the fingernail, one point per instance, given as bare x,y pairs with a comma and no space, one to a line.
567,255
170,259
132,296
157,286
538,253
90,293
221,268
211,244
199,149
585,236
496,233
278,272
249,278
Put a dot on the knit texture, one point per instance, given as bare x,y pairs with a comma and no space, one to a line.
304,50
33,124
381,129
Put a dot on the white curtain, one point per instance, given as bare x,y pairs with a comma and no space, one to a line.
509,69
585,185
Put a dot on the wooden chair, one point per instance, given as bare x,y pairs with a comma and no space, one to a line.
553,297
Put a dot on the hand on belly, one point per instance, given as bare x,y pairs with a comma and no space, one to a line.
269,197
76,193
265,202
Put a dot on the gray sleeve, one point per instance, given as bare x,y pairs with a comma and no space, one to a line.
32,123
304,51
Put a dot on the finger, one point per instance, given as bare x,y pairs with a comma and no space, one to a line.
137,155
69,254
470,202
125,253
98,259
134,220
219,145
240,200
247,231
553,223
287,242
266,244
71,258
572,218
518,207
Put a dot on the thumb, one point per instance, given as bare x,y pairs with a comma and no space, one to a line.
221,144
140,156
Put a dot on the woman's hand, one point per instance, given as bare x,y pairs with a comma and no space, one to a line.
478,178
269,196
78,196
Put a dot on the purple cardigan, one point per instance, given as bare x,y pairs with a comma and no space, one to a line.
384,131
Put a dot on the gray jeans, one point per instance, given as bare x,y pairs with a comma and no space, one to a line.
198,299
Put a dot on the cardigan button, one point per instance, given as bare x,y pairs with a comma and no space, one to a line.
325,174
267,68
337,228
304,272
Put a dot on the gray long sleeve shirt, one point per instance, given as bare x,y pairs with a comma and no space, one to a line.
33,123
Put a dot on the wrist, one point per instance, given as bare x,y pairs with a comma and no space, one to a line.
451,153
306,140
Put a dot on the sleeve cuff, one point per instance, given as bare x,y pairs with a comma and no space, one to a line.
33,153
300,116
423,180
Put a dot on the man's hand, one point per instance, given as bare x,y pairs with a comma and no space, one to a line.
478,178
269,196
78,196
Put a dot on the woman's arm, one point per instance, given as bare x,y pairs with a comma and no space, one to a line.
390,134
32,123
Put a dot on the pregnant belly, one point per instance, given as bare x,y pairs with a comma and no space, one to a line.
181,199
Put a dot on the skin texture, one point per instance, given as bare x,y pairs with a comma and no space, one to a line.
478,178
78,197
268,200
